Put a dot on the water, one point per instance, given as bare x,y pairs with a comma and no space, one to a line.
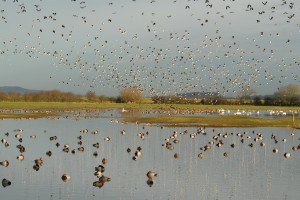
247,173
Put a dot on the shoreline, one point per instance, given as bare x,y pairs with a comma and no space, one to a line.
35,110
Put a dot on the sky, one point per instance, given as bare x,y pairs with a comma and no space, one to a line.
161,46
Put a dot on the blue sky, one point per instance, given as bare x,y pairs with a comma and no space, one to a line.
163,47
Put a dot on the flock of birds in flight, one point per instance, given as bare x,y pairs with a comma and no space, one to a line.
158,46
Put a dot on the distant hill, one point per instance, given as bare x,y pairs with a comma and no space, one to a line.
17,89
200,95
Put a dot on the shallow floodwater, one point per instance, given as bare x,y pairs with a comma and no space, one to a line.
247,173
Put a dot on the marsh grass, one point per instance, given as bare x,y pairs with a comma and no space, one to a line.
218,121
142,105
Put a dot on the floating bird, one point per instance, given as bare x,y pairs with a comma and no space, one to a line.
65,177
4,163
151,174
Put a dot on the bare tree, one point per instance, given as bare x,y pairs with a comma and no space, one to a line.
288,95
246,92
130,94
91,96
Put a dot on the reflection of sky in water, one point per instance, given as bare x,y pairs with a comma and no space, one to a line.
161,47
248,173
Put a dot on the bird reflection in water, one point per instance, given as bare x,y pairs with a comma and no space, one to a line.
150,182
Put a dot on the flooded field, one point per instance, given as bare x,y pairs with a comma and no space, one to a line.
190,163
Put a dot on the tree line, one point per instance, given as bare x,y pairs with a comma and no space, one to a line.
54,96
127,95
285,96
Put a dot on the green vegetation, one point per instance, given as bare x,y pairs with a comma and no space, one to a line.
143,105
218,121
46,109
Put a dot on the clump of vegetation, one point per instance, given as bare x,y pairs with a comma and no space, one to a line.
130,95
219,121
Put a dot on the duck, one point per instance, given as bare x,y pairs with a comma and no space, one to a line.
49,153
104,179
95,154
176,155
39,161
96,145
151,174
66,149
4,163
36,167
226,154
104,161
275,150
201,155
98,184
100,168
287,155
33,136
80,149
137,153
21,148
98,174
65,177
